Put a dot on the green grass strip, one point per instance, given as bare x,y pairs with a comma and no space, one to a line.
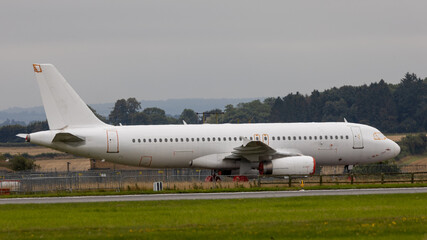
395,216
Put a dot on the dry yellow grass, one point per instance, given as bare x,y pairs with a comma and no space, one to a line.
29,150
60,165
396,138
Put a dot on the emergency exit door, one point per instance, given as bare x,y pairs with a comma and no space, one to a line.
112,141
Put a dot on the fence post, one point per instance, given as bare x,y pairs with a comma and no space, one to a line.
382,178
352,178
259,181
290,181
412,178
320,180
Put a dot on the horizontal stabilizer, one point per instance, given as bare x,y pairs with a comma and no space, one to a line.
67,137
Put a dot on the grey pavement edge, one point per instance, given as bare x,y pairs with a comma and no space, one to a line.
211,196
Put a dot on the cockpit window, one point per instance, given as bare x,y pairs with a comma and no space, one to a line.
379,136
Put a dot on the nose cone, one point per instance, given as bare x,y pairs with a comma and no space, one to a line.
395,149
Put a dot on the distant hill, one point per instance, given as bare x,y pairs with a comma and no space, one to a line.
172,107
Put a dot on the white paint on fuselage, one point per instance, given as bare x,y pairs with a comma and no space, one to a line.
177,154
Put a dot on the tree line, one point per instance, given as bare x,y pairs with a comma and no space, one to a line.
392,108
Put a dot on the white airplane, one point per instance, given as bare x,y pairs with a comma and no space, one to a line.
240,149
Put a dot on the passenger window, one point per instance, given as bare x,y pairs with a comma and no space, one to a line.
295,138
139,140
182,139
166,140
250,138
342,137
346,137
149,140
320,137
265,138
155,140
310,138
144,140
315,137
213,139
336,137
176,139
240,138
219,139
133,140
332,137
187,139
273,138
209,139
229,138
171,139
305,137
235,139
192,139
203,139
225,139
198,139
160,140
326,137
289,138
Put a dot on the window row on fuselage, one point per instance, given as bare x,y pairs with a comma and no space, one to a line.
231,139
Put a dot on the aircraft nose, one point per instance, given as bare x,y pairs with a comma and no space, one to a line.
396,149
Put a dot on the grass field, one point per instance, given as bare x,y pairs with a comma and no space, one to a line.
399,216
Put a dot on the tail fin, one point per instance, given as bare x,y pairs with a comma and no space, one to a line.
63,106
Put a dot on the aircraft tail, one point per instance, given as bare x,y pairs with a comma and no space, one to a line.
63,106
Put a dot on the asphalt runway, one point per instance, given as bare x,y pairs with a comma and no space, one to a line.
210,196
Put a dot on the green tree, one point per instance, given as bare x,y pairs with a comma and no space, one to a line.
189,116
156,116
414,144
123,111
410,97
21,163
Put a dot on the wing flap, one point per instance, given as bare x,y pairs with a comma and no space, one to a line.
252,150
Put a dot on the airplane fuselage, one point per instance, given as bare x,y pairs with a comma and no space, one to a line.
174,146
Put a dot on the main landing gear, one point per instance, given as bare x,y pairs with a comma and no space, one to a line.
213,177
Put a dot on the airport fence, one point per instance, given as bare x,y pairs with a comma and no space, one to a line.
182,179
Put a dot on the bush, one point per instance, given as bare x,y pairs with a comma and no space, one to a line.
21,163
414,144
376,168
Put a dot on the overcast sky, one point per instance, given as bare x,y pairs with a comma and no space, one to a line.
109,50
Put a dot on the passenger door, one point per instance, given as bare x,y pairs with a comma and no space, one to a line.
357,138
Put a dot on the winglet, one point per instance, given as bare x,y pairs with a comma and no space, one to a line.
245,141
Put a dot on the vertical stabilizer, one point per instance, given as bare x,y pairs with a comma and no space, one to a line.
63,106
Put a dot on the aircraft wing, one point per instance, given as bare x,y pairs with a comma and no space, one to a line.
253,150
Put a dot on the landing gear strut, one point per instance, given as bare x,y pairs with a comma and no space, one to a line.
347,169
